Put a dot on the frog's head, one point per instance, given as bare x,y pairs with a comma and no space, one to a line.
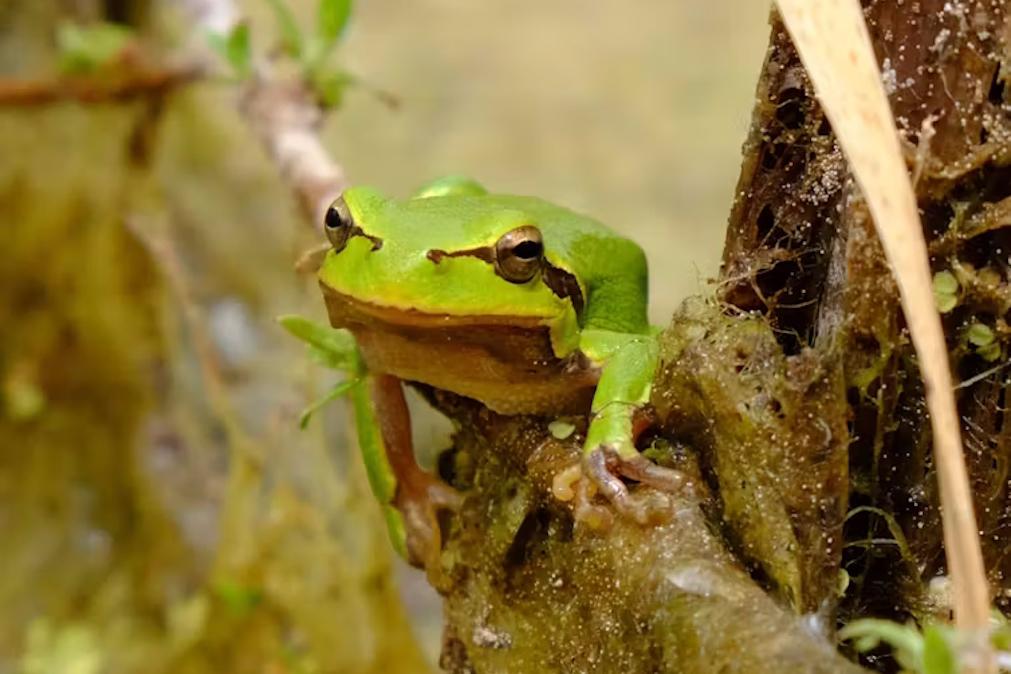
451,260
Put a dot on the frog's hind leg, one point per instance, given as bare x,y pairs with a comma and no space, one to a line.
418,495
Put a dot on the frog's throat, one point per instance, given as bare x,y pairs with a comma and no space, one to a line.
509,363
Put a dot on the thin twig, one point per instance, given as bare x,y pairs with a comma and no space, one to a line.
972,381
286,120
285,117
129,85
835,47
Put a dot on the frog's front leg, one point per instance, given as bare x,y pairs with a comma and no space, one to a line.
411,498
629,365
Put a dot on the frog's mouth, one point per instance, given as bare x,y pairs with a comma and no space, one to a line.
348,312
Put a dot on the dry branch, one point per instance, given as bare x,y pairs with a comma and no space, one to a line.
114,87
285,118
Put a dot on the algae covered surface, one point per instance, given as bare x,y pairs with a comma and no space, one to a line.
771,431
811,266
533,591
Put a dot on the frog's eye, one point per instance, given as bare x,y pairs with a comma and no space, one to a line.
338,224
519,254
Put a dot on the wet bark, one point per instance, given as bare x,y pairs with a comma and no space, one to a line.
801,252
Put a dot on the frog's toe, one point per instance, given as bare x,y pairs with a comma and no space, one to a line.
422,531
644,471
421,508
600,466
586,512
605,468
444,497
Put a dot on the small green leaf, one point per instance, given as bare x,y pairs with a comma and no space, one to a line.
335,349
333,19
291,34
938,655
945,282
561,429
240,52
983,338
990,352
235,48
945,291
945,303
334,393
86,48
979,334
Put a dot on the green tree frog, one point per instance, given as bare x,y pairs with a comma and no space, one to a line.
522,305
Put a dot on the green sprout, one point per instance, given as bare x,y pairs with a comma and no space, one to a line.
310,50
236,49
982,337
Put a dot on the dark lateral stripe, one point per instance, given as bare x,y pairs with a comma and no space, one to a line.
564,285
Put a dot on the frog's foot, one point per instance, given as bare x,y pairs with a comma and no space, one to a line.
602,470
420,503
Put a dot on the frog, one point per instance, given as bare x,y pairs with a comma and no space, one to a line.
524,306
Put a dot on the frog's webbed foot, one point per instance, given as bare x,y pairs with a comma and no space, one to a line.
421,502
603,471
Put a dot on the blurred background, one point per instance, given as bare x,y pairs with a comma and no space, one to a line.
160,509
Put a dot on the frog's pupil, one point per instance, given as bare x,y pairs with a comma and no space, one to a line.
333,218
527,250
